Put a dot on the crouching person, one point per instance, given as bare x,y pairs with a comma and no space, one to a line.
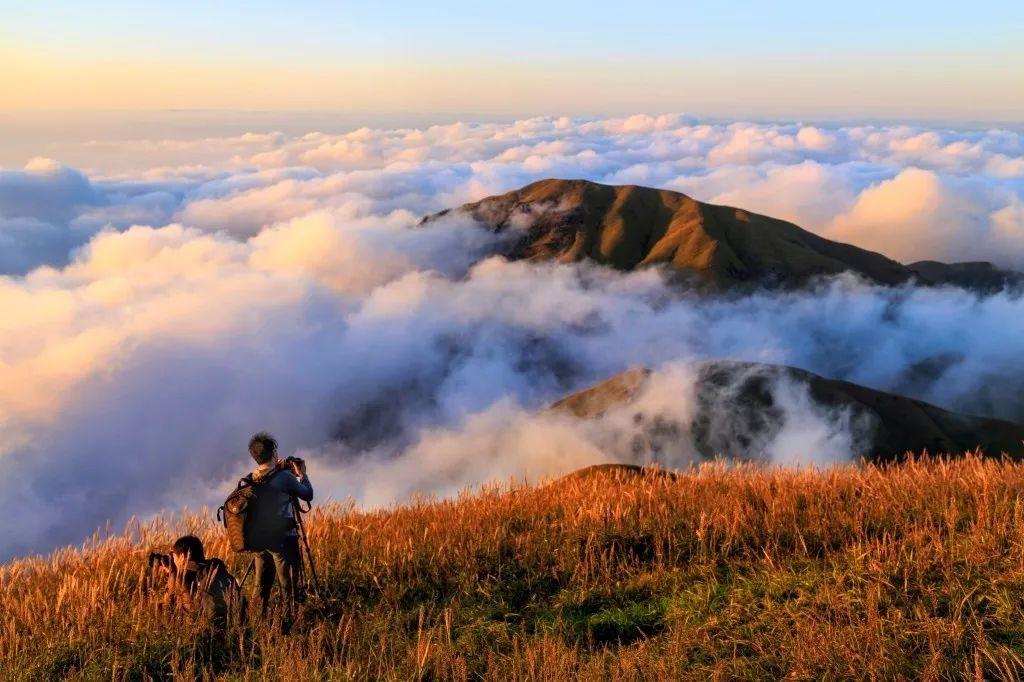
198,585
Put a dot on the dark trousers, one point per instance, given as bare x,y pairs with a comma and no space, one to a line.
284,564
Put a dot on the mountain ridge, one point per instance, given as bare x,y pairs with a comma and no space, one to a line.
736,410
630,226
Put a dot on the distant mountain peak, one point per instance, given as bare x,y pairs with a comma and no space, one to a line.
631,226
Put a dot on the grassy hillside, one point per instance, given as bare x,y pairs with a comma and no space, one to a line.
914,570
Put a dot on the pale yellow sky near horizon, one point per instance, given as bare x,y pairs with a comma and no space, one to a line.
975,86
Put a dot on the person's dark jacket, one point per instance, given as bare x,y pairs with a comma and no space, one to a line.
204,588
276,500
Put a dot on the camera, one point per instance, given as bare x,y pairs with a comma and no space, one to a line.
292,463
158,559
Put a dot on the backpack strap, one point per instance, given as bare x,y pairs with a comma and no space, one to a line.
263,479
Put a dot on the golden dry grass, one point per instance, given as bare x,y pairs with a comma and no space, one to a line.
910,571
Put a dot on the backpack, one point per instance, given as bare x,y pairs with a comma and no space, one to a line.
252,521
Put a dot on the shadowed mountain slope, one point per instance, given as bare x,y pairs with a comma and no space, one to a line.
978,275
627,227
738,412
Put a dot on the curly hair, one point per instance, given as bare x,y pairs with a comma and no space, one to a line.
262,447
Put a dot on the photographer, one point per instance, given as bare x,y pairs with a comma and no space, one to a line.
277,553
196,584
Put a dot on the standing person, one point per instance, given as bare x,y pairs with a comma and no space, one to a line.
277,552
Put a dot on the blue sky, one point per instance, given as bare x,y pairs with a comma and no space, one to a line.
553,29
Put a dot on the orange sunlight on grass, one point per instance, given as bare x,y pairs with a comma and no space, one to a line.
912,570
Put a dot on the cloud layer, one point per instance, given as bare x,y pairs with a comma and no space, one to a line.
910,192
182,294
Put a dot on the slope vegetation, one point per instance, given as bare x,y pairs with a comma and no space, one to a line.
910,571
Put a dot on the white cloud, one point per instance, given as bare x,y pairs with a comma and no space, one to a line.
918,215
44,190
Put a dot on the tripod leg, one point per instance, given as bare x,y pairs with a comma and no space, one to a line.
305,544
309,558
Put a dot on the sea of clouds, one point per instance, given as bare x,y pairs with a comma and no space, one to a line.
165,302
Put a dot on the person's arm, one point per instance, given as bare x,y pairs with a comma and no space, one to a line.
299,486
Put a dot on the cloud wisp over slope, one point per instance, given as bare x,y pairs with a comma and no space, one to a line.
164,304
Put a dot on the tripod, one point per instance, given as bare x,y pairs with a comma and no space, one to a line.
297,512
